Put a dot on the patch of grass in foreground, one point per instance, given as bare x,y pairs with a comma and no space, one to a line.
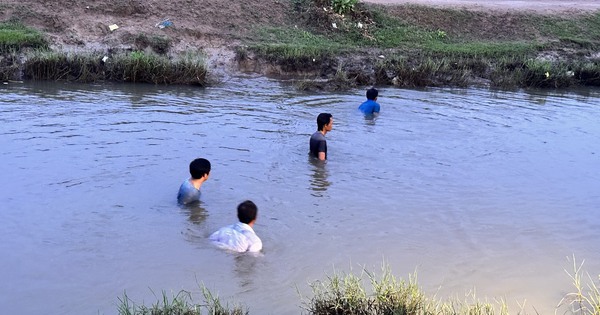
348,294
179,304
15,36
372,294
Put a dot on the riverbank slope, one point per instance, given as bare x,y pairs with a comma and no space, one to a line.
376,42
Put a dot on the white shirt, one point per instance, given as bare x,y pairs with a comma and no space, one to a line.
239,237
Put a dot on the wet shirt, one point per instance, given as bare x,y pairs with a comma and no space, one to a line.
318,144
188,193
369,107
239,237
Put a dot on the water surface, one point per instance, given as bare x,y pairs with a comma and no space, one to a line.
474,189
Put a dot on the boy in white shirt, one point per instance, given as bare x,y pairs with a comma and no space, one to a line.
240,237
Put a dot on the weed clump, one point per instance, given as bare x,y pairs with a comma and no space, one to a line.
14,37
180,304
158,44
346,294
135,67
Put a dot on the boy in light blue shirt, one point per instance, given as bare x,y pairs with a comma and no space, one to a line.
189,191
370,106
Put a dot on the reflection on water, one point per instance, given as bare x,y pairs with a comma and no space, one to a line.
476,188
370,119
195,212
319,177
245,268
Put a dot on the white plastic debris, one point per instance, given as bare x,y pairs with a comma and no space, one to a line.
334,25
113,27
359,25
381,56
104,59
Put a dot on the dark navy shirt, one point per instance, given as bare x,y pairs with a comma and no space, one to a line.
318,144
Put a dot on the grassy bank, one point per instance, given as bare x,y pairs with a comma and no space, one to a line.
369,293
422,46
337,44
24,54
180,304
136,66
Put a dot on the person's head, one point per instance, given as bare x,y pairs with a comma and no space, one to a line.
246,211
372,94
199,168
324,119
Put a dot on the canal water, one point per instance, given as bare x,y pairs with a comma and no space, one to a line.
475,190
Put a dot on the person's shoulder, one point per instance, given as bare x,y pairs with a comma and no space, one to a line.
226,230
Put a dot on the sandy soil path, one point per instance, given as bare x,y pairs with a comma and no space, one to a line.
541,6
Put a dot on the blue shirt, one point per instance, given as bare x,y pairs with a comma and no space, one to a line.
188,193
369,107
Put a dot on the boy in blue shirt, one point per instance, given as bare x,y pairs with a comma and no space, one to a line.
370,106
189,192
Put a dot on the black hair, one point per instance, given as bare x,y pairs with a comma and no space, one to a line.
246,211
199,167
372,94
322,120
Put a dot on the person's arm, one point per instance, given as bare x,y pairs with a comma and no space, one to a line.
255,244
321,155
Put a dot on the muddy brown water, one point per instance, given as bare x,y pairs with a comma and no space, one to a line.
474,189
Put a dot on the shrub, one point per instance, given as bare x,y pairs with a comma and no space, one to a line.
343,6
15,36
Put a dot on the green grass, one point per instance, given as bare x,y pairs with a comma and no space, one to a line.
372,294
427,46
136,67
159,44
581,26
14,36
179,304
376,293
418,45
483,49
9,67
585,300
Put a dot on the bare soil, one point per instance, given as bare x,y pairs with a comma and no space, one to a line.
216,26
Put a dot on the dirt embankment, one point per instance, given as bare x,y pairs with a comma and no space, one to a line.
215,26
212,25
